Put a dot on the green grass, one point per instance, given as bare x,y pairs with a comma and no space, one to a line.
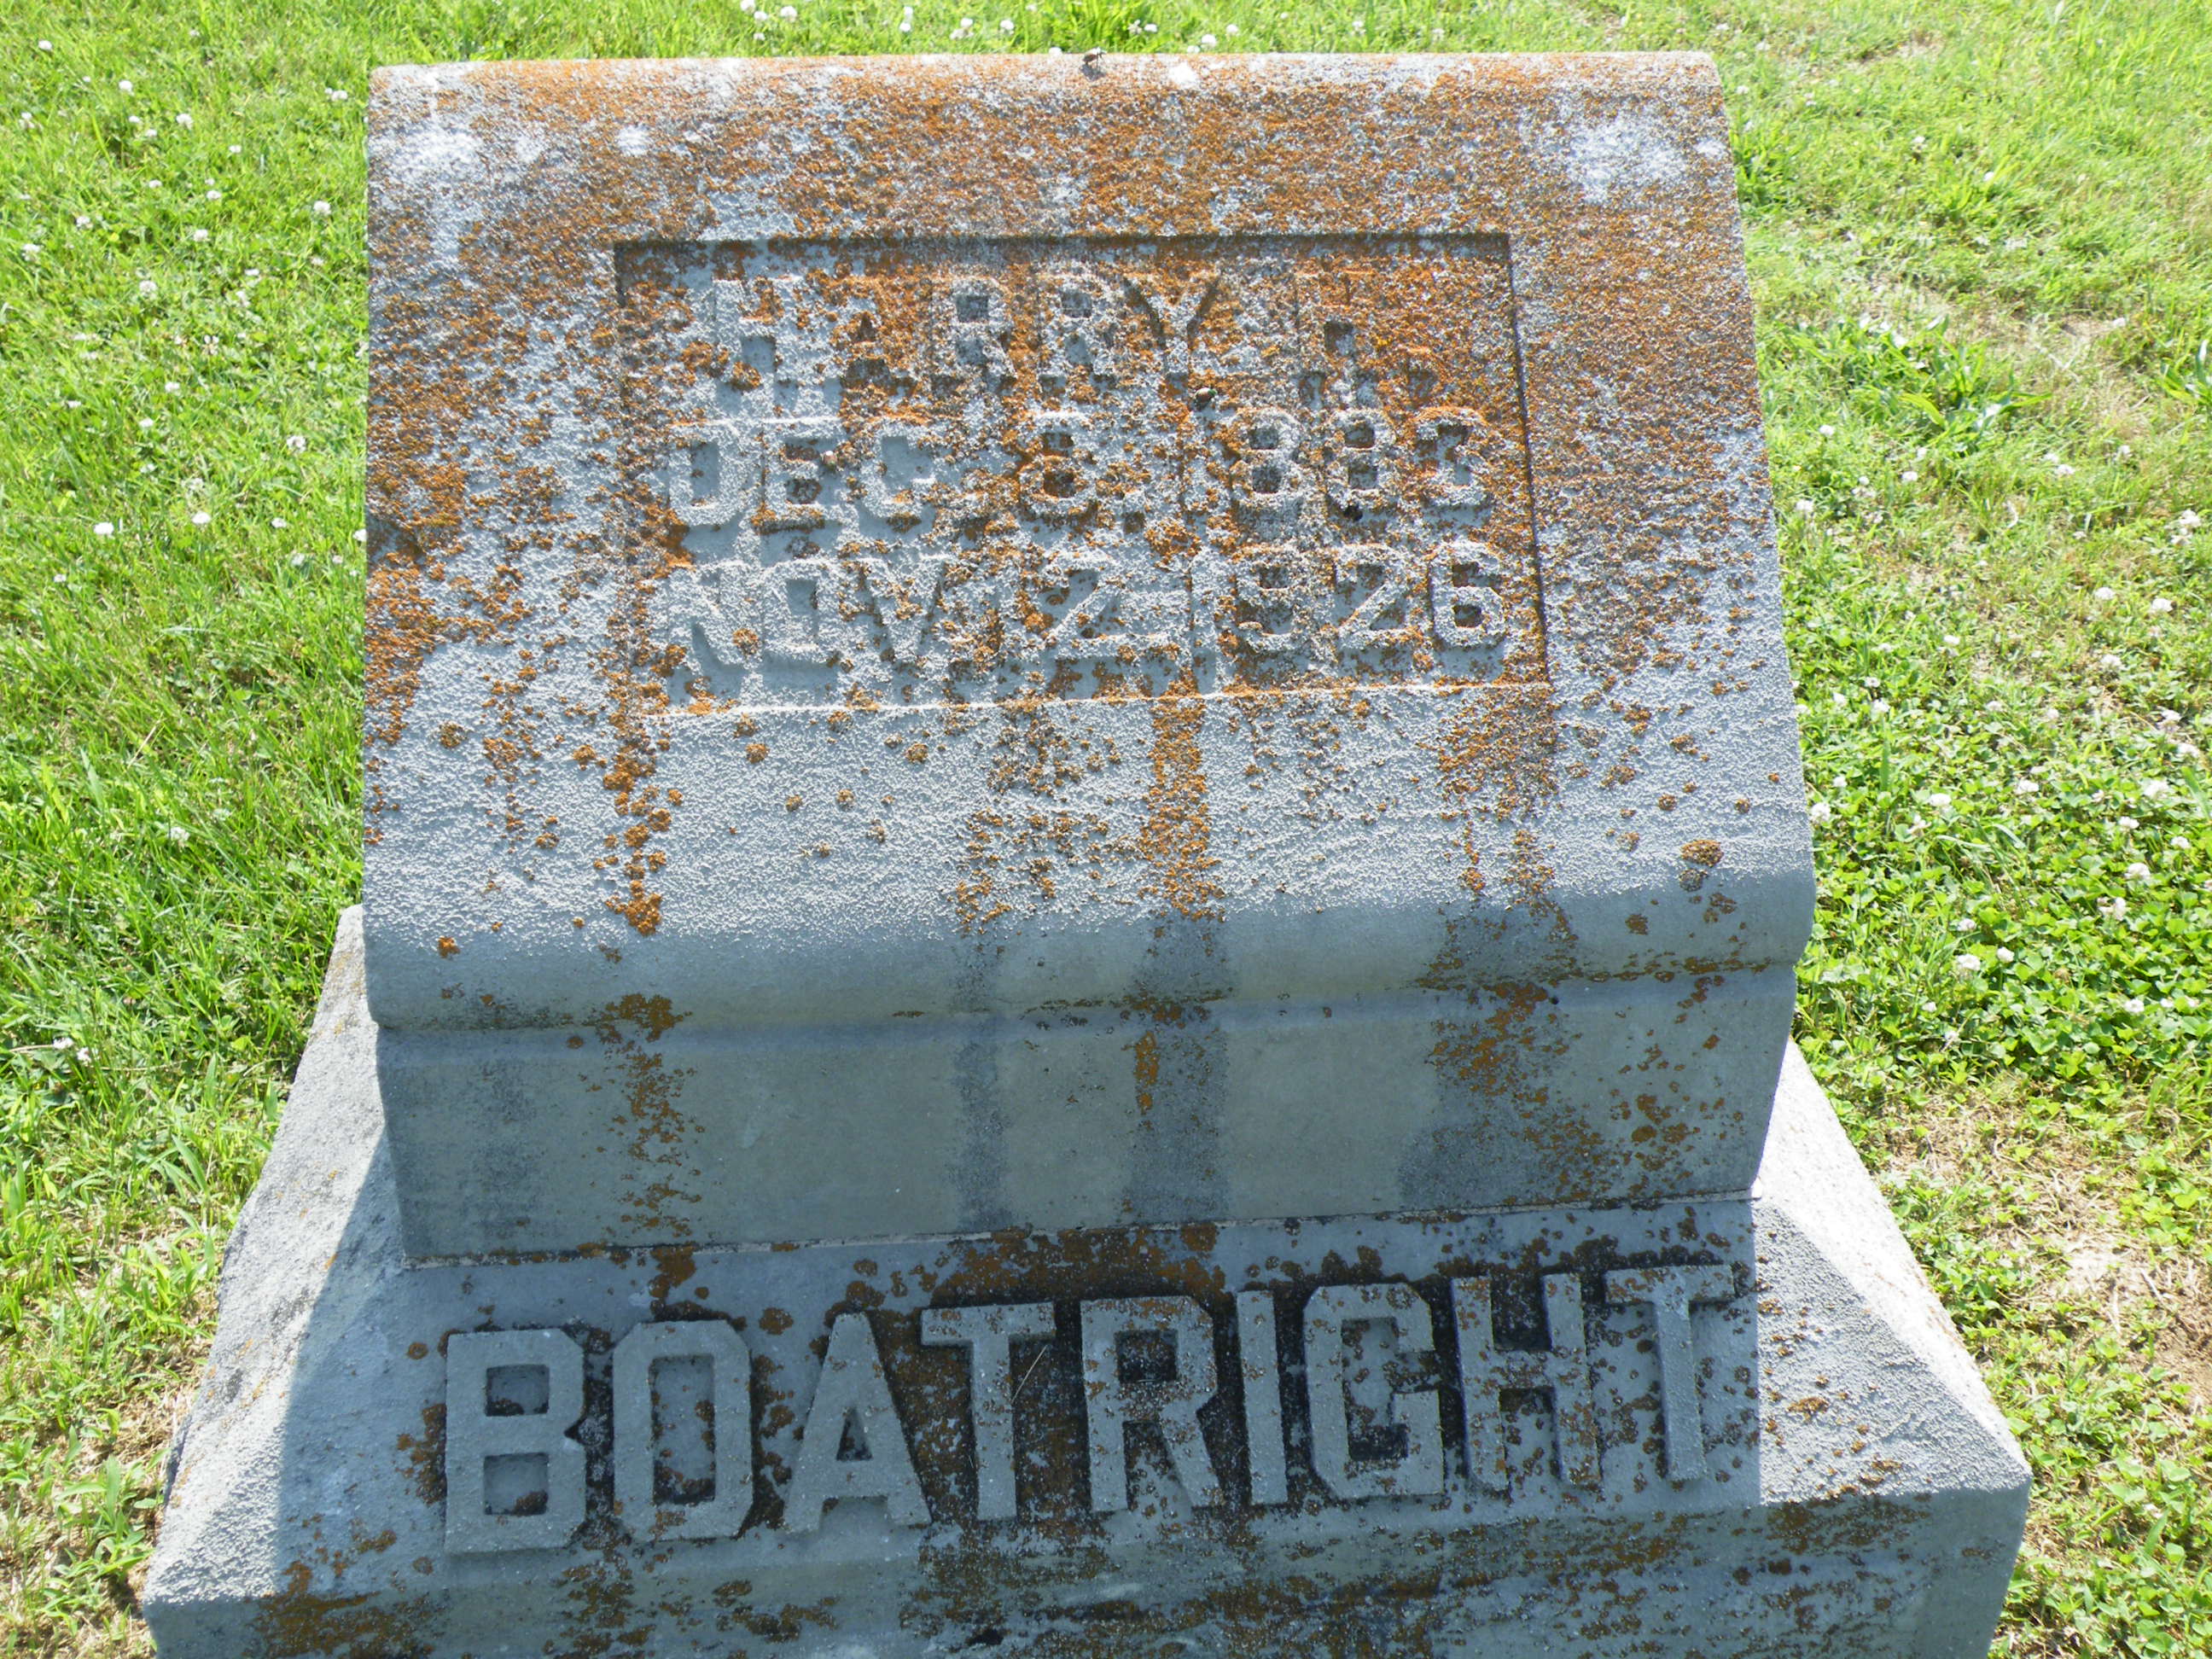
1981,236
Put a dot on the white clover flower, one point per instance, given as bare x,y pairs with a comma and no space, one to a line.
1927,1007
147,290
2153,788
103,528
1005,25
31,250
1804,505
2062,471
63,1042
280,523
184,118
1939,801
2115,907
1838,700
1208,41
2004,953
1964,924
201,518
179,834
2179,843
1908,477
215,196
2133,1004
84,221
145,423
335,94
199,233
2160,605
1951,641
1965,964
45,46
123,86
2111,661
298,559
296,443
171,386
2026,786
83,1056
2138,872
320,209
1232,30
1879,706
2128,826
1819,811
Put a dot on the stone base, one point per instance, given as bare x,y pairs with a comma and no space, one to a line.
1734,1425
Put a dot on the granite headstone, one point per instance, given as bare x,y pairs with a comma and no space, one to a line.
1084,860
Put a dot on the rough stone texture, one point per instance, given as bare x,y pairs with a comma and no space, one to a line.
958,643
1085,853
1866,1503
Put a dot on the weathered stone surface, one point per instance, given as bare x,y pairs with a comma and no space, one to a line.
1825,1476
969,642
1085,854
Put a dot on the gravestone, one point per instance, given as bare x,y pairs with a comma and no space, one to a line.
1084,856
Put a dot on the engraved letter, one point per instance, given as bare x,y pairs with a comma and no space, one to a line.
973,330
1172,1402
1278,591
1669,1292
1452,436
1265,475
797,471
1486,1370
1463,580
1079,326
1058,468
731,1365
1362,462
1388,574
904,607
501,1453
725,458
1175,312
1420,1468
990,1334
852,1394
1258,1358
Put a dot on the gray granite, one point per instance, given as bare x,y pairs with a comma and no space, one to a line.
1086,856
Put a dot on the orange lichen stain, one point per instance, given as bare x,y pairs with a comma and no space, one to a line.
1177,837
1146,1051
446,946
756,752
675,1264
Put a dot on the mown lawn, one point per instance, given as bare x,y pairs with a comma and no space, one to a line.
1981,234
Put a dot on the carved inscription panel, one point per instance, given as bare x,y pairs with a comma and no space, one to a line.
964,471
1611,1384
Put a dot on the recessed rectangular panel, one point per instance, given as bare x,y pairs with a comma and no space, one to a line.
965,471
